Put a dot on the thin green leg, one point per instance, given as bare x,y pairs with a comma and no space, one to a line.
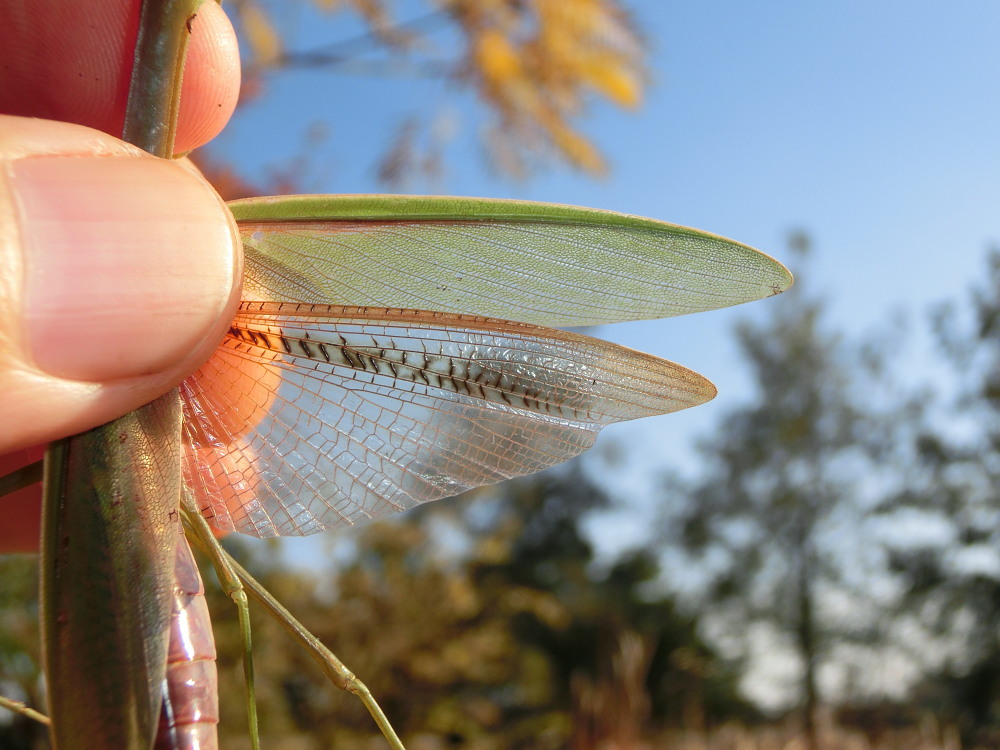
198,531
333,667
22,708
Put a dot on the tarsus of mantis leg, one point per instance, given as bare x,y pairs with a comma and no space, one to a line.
19,707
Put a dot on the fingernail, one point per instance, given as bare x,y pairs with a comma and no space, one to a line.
128,264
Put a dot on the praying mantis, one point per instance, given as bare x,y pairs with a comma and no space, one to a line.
389,351
368,369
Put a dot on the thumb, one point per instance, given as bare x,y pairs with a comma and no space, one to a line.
119,274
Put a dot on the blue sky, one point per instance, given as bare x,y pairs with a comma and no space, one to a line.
873,126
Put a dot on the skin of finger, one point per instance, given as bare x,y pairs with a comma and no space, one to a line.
58,67
211,84
71,60
37,407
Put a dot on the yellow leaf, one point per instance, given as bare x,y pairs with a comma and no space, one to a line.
497,59
580,151
265,44
617,84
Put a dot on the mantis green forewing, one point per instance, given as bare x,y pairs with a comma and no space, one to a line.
317,267
108,527
110,519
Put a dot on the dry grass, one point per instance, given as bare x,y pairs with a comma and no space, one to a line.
927,736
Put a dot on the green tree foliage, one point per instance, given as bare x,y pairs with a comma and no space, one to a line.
952,487
773,517
504,635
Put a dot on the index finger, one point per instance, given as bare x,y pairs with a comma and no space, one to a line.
71,60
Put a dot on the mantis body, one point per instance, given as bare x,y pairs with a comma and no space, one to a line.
369,370
389,351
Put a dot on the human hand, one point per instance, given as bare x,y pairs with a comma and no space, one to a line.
119,272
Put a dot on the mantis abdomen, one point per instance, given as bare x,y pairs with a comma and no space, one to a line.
190,711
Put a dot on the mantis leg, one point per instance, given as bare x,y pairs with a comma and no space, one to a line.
19,707
198,531
334,668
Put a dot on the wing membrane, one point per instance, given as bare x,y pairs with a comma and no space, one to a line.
537,263
377,410
333,399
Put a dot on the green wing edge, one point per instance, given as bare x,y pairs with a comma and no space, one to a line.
447,208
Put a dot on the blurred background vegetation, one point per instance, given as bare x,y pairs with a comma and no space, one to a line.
492,622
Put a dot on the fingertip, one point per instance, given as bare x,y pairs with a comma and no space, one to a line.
211,83
129,265
72,61
122,274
